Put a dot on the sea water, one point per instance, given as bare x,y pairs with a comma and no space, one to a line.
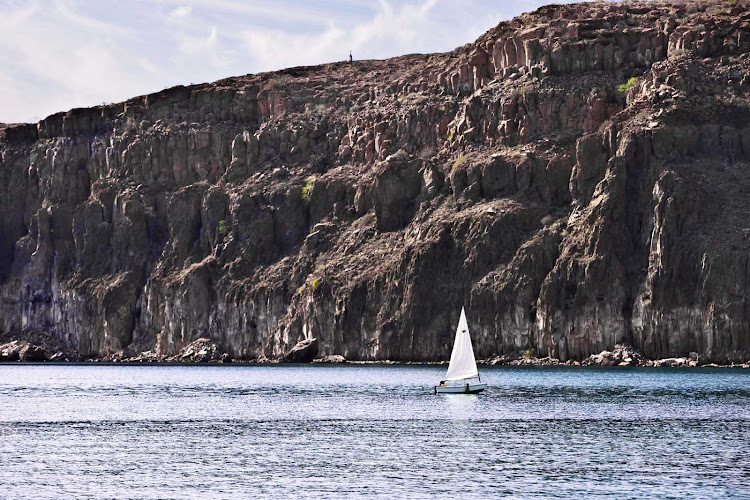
316,431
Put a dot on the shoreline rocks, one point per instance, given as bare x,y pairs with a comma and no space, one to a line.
21,350
332,359
204,351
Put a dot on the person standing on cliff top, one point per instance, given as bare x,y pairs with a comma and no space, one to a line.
350,57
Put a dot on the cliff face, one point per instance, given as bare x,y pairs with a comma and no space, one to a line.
363,204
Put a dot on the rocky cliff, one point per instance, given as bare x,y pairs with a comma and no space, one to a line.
578,177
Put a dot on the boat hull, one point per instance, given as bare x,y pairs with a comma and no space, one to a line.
460,389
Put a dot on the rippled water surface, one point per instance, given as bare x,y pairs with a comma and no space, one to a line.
106,431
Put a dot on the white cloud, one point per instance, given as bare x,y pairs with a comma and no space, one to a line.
192,45
394,29
147,65
66,15
60,60
60,54
182,11
264,12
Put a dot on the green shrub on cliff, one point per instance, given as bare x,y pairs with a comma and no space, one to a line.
623,88
459,161
223,228
308,187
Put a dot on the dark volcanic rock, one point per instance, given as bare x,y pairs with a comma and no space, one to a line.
32,353
303,352
35,347
578,177
397,184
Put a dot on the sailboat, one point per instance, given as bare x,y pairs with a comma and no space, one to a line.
462,369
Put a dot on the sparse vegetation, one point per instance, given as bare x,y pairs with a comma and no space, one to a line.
301,289
528,353
308,187
414,69
624,87
451,133
223,228
459,161
315,283
413,99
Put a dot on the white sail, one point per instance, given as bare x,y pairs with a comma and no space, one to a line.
462,364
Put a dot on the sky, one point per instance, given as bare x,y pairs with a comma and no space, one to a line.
61,54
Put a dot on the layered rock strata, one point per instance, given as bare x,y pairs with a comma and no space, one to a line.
578,178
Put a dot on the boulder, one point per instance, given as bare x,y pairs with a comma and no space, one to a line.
32,353
622,355
11,351
331,358
303,352
201,350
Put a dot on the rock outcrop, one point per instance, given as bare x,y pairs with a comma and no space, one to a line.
577,177
304,351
